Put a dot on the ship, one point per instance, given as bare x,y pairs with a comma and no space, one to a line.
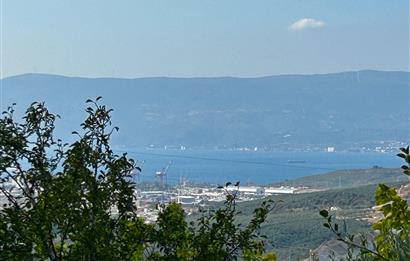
297,161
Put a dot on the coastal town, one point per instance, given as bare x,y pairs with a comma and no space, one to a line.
192,197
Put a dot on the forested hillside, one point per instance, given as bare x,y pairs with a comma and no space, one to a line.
350,109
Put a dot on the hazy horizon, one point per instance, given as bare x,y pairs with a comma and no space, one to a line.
205,77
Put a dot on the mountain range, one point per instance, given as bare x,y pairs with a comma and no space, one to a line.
345,109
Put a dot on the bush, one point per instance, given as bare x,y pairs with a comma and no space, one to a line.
391,233
60,197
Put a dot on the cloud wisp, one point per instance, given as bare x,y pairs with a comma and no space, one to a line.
306,23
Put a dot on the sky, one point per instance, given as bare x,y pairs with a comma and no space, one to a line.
192,38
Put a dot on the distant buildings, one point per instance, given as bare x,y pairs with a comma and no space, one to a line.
330,149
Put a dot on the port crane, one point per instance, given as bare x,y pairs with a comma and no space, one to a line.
136,172
161,175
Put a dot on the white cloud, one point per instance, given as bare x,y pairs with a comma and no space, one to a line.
306,23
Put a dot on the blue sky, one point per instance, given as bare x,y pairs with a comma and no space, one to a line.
187,38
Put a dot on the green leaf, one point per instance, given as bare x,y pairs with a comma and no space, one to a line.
401,155
405,150
324,213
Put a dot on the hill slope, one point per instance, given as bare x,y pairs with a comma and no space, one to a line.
348,178
343,109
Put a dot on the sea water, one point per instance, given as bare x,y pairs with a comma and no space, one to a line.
249,167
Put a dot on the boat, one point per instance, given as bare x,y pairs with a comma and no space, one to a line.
297,161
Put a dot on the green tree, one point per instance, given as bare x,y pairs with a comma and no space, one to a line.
64,198
76,202
392,232
219,237
214,236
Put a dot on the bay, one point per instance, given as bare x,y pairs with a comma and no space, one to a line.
249,167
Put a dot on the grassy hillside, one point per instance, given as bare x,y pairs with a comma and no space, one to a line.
295,226
347,178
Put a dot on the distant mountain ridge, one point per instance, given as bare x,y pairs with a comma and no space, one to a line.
339,109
